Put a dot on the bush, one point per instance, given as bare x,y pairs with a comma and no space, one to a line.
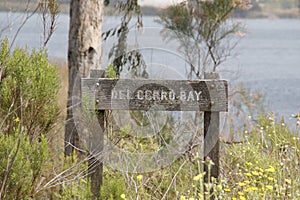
28,91
28,111
21,164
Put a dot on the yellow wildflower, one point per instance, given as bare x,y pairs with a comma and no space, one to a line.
248,174
17,120
289,181
253,188
139,177
191,198
269,187
227,190
182,197
270,178
271,169
261,170
240,194
255,173
122,196
248,163
242,198
242,184
197,178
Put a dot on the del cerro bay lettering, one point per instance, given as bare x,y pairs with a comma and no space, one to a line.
156,95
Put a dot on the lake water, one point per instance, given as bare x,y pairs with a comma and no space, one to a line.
267,58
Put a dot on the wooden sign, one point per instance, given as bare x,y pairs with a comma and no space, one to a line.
144,94
210,96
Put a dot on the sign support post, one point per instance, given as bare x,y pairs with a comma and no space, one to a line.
95,166
211,133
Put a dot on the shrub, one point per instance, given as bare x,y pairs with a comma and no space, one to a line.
21,164
28,91
28,111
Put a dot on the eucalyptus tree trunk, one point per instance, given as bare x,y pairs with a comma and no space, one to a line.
84,53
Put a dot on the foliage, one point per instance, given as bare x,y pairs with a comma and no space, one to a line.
262,166
28,111
28,92
113,187
204,31
111,73
77,187
22,164
119,54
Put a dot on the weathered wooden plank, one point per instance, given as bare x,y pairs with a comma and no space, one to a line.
169,95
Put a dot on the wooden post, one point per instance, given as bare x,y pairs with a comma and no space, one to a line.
211,139
212,143
95,167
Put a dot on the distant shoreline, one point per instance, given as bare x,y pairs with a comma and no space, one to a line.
151,11
18,7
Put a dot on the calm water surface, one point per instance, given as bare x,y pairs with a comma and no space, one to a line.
267,58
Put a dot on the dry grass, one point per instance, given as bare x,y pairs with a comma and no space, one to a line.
63,93
56,141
